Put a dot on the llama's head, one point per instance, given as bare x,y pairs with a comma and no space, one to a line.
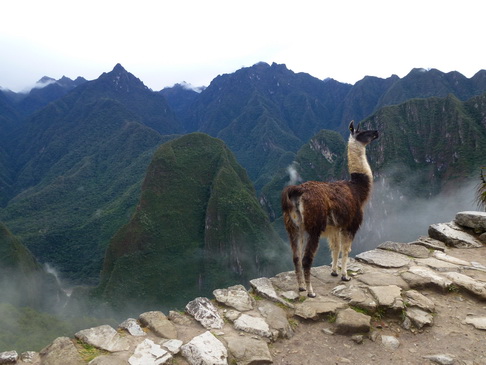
363,137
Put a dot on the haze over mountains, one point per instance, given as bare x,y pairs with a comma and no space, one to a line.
86,166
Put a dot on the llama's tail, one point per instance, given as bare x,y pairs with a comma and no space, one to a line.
290,202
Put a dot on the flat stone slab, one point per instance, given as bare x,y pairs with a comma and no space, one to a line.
246,350
377,278
452,235
382,258
311,308
472,219
408,249
388,296
356,296
439,255
103,337
349,321
437,265
430,243
158,323
428,276
236,297
475,287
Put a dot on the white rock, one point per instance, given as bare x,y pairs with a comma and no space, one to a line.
453,260
9,357
390,342
173,346
442,359
388,296
431,276
419,317
472,219
264,287
132,327
205,312
453,235
476,287
149,353
383,258
236,297
478,322
205,349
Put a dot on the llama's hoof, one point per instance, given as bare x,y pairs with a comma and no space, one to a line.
345,278
302,289
333,273
311,295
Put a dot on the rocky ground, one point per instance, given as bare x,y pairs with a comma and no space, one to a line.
422,302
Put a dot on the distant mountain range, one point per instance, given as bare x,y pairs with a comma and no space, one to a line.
74,154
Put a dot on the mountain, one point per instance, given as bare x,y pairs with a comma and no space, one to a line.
198,225
78,166
180,97
46,90
265,113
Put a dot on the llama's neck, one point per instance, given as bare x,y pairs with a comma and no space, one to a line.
357,161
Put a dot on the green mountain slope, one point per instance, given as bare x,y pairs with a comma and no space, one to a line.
79,164
198,226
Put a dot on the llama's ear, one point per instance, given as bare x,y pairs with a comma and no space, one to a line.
351,127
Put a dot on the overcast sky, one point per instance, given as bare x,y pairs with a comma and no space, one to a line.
165,42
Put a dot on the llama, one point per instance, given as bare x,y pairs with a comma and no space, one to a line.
329,209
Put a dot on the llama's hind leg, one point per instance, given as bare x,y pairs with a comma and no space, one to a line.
310,251
345,249
296,239
334,245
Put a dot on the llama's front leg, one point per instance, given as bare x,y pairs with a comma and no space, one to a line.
345,249
310,251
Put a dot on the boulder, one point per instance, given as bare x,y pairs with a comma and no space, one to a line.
276,318
205,313
149,353
236,297
349,321
264,287
61,352
255,325
472,219
248,351
383,258
158,323
103,337
205,349
452,235
408,249
132,327
9,357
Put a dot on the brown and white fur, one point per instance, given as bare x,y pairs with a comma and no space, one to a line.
329,209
